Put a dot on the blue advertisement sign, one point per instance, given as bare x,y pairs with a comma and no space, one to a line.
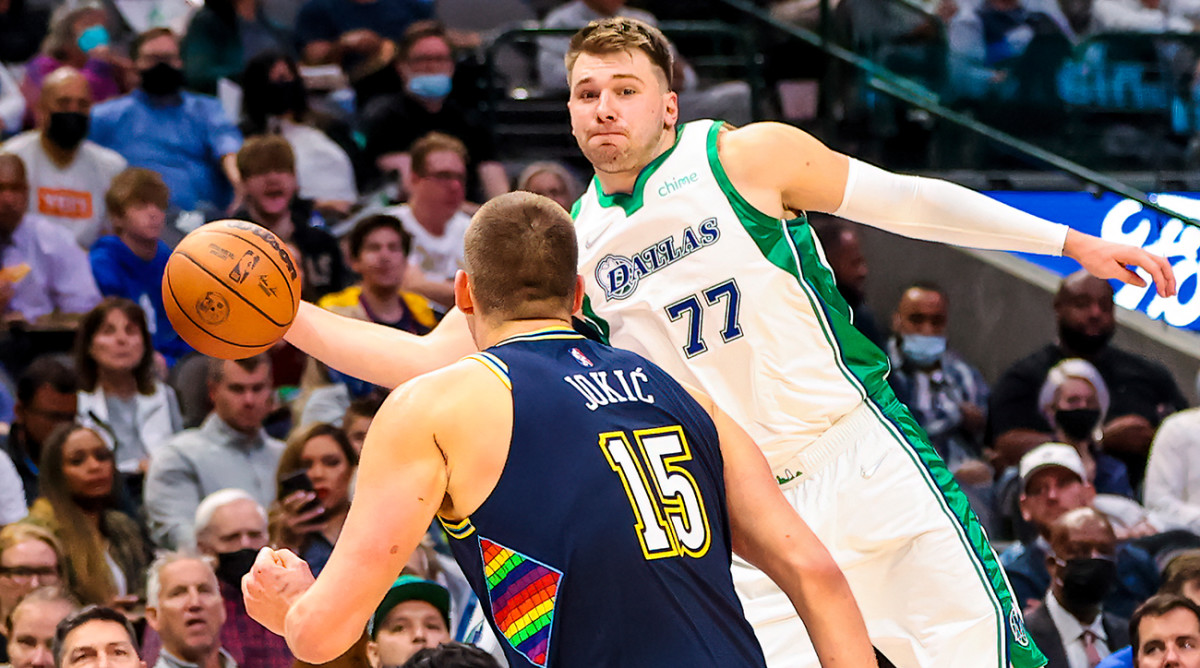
1115,218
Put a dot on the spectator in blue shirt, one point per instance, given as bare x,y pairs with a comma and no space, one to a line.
185,137
131,263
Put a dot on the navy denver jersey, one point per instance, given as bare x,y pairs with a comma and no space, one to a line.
606,540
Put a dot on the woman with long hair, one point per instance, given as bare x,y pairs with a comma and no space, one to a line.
119,395
106,555
308,521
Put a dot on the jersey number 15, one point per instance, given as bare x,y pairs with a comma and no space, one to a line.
670,518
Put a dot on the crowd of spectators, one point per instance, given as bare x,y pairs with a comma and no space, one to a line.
141,477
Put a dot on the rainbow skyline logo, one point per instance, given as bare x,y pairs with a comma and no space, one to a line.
522,592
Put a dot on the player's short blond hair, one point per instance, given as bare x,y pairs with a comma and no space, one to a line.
617,34
520,254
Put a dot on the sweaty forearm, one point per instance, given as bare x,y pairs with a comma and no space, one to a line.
936,210
377,354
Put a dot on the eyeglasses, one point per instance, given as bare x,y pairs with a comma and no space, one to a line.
26,574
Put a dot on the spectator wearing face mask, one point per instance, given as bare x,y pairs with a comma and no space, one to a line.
77,38
183,136
327,157
1074,399
1072,629
947,395
394,123
231,527
1142,392
68,175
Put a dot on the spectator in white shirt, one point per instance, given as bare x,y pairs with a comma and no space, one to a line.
68,175
44,270
1173,473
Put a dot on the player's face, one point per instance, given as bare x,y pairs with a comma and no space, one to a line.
921,312
99,643
143,222
242,398
87,465
329,471
1169,641
117,345
31,644
409,627
1052,492
381,262
621,110
237,525
190,610
24,567
270,194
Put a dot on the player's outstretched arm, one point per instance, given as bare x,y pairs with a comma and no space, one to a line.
402,478
381,355
768,533
802,174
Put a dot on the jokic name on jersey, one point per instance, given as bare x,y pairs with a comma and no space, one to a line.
619,275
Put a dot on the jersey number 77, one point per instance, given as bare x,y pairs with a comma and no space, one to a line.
669,512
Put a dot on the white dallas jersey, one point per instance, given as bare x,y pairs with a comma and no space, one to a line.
687,273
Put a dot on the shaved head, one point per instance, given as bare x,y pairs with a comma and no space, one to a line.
64,90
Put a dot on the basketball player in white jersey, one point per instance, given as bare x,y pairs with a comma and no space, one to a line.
696,255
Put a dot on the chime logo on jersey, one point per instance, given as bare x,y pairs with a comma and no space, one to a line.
618,275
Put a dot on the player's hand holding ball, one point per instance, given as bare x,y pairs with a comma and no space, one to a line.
231,289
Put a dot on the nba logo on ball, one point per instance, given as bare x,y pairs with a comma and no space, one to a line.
231,289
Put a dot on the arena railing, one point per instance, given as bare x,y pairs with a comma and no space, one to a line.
920,96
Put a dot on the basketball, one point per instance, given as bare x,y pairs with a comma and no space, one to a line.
231,289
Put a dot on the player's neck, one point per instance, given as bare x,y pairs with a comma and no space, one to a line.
491,334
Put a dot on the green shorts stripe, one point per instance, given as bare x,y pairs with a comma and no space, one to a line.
1013,640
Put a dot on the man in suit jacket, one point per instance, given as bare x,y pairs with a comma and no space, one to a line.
1071,629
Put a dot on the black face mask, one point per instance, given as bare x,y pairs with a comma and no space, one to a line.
1085,345
285,96
1078,424
1087,582
67,128
162,80
231,566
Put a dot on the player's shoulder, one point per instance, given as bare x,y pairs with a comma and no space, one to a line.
762,138
446,392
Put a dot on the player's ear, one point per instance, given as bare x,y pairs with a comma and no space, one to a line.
577,300
671,111
462,293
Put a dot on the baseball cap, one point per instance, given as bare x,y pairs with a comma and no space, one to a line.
1051,454
410,588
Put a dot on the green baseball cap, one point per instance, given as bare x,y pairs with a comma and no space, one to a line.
410,588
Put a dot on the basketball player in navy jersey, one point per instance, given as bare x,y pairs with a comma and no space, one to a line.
591,500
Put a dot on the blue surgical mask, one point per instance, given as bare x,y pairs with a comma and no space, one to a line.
93,37
923,351
430,86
